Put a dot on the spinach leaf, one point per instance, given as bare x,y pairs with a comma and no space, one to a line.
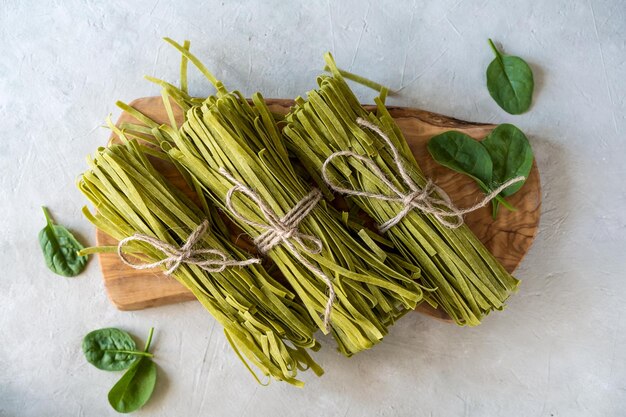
60,249
463,154
511,156
503,155
510,82
111,349
135,387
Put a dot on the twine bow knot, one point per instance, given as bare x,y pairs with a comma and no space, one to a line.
429,199
284,230
175,256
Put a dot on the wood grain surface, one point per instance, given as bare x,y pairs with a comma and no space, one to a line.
508,237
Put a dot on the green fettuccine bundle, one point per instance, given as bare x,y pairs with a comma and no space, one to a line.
335,274
469,281
227,141
262,319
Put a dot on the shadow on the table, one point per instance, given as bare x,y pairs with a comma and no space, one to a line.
160,397
539,79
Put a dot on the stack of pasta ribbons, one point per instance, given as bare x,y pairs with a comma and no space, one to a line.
262,319
469,281
265,173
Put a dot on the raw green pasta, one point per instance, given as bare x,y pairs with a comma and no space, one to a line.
226,132
258,168
469,281
262,319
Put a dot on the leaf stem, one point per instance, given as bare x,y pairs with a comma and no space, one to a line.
131,352
47,214
493,47
505,203
499,198
149,340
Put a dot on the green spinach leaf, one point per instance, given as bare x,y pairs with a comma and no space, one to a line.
503,155
135,387
111,349
463,154
510,82
511,156
60,249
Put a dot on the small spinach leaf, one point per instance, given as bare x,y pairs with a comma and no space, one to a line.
135,387
511,156
510,82
463,154
110,349
60,249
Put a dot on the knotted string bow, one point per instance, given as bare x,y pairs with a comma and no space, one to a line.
424,199
175,256
284,230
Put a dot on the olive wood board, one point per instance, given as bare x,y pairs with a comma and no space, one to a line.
509,237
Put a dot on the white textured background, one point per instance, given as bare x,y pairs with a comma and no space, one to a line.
557,350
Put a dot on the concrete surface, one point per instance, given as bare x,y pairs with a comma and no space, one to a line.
557,350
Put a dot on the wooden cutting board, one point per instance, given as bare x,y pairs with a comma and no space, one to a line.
508,238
